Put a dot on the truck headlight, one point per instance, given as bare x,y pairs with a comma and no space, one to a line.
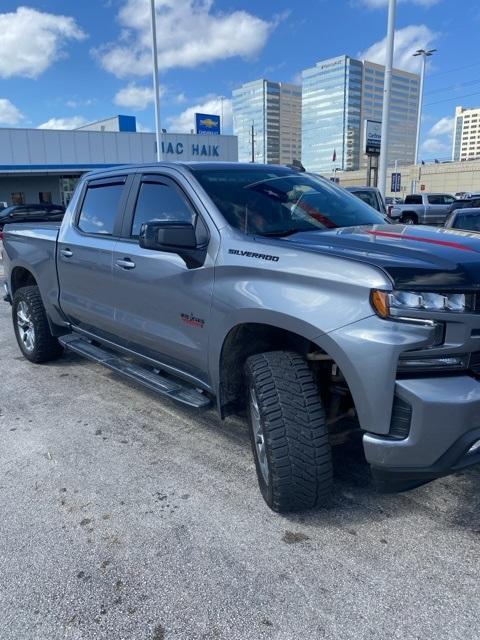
391,304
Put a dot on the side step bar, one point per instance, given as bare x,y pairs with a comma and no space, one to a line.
175,389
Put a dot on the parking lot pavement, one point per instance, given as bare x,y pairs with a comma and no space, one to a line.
124,516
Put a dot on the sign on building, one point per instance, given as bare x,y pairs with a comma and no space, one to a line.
372,137
396,186
206,123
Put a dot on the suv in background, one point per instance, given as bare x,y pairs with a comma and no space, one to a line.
31,213
370,195
468,203
423,208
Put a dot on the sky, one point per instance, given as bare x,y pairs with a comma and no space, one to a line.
64,62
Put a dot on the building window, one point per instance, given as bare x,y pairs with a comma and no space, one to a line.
45,197
18,197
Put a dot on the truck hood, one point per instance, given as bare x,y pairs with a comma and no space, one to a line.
415,257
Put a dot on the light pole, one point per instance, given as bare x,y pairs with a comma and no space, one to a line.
425,54
222,98
156,85
387,90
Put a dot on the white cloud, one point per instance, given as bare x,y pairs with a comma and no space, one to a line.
134,96
443,127
439,138
407,41
190,34
378,4
434,145
31,41
185,121
9,114
64,123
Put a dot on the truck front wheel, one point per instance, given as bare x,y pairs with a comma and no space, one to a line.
288,432
31,327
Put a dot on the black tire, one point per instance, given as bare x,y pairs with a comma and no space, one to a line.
409,218
295,470
43,347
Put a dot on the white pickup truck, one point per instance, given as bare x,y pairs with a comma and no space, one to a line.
422,208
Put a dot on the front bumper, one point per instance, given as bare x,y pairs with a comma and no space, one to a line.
445,424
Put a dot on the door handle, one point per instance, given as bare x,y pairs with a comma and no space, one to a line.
126,263
66,253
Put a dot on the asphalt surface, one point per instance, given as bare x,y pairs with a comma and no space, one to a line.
125,516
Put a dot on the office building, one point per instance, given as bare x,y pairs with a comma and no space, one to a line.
267,121
339,94
43,165
466,134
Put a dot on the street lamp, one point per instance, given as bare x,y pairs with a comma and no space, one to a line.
156,84
387,90
425,54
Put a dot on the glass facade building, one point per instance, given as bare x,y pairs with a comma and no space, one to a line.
271,113
331,112
339,94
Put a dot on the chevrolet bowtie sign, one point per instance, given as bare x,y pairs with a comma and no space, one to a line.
207,123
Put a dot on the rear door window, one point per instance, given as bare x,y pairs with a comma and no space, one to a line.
413,199
100,207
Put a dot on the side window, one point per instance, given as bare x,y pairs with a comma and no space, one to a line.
100,208
158,201
368,197
448,199
436,200
413,199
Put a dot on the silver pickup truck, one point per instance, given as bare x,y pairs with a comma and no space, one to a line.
422,208
263,289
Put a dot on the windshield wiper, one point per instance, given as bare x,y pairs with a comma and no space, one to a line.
278,234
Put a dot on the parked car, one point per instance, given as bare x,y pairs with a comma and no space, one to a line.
370,195
466,219
423,208
31,213
468,203
262,288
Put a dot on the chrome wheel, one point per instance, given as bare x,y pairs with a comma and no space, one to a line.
258,434
26,330
409,221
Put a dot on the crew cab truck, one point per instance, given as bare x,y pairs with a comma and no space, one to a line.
263,289
423,208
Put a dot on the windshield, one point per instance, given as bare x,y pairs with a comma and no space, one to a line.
266,201
468,222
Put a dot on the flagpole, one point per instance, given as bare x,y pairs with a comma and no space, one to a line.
156,85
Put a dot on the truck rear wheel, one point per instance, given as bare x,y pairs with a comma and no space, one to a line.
288,432
409,218
31,327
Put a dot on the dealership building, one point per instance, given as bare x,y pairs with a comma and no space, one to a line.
44,165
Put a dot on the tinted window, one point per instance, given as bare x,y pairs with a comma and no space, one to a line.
271,201
448,199
468,222
368,197
413,199
436,200
100,208
160,202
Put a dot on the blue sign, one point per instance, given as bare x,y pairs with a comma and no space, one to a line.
396,182
206,123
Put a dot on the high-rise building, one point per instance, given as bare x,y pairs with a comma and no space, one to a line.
466,134
339,94
270,113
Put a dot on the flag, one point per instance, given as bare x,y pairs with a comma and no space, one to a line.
334,157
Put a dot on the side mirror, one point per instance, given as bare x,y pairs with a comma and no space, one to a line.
173,237
167,236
